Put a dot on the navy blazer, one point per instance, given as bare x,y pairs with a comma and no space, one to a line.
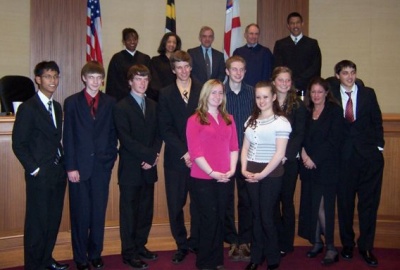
35,139
365,134
199,71
87,140
139,139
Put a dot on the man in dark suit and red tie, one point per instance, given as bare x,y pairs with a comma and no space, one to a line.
207,63
362,162
36,141
135,118
90,144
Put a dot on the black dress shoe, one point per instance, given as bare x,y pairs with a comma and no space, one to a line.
251,266
330,258
146,254
82,266
273,266
98,263
179,256
347,252
136,263
57,266
369,257
315,251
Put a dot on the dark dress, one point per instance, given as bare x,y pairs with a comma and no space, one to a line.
322,142
161,76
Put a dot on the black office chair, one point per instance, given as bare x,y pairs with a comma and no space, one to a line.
15,88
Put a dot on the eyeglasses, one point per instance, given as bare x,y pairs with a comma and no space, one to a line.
49,77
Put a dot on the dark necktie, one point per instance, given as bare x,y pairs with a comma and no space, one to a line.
50,110
143,105
208,64
93,108
295,41
349,114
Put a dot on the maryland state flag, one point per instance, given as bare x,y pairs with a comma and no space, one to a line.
170,25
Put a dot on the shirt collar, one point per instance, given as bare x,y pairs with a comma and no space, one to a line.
44,98
131,53
298,37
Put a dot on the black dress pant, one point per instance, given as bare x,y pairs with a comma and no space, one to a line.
88,205
136,205
362,177
211,199
264,196
44,204
177,187
243,234
284,210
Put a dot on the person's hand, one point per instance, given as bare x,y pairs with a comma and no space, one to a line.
145,166
73,176
249,177
220,177
309,164
186,158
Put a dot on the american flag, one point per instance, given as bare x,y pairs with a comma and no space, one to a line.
93,33
232,36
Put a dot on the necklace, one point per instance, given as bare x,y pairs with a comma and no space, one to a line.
317,112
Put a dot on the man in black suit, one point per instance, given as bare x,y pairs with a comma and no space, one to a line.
208,63
135,118
117,85
299,53
177,102
36,141
90,144
362,162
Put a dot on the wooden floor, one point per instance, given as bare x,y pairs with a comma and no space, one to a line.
63,251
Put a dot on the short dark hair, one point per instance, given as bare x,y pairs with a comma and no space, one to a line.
92,67
163,42
180,56
127,32
294,14
138,70
344,64
41,67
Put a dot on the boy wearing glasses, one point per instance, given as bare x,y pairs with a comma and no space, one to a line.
90,144
36,142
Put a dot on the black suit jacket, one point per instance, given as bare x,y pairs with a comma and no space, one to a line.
199,71
173,114
139,141
117,83
86,140
304,59
35,139
365,134
322,141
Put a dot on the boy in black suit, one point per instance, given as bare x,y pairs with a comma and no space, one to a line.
362,162
135,118
36,141
90,144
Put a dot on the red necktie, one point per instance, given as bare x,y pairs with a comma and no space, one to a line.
349,115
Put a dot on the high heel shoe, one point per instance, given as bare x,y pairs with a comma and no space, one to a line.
331,257
317,249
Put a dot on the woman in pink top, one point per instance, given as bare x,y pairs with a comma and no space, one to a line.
213,148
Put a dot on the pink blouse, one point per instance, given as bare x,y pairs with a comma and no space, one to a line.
214,142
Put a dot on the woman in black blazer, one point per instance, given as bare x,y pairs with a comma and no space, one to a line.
160,68
319,172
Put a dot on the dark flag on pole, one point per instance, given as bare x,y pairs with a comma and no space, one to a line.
170,25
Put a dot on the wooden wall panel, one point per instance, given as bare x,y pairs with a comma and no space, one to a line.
271,17
58,32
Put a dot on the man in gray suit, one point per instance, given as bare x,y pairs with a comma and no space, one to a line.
208,63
